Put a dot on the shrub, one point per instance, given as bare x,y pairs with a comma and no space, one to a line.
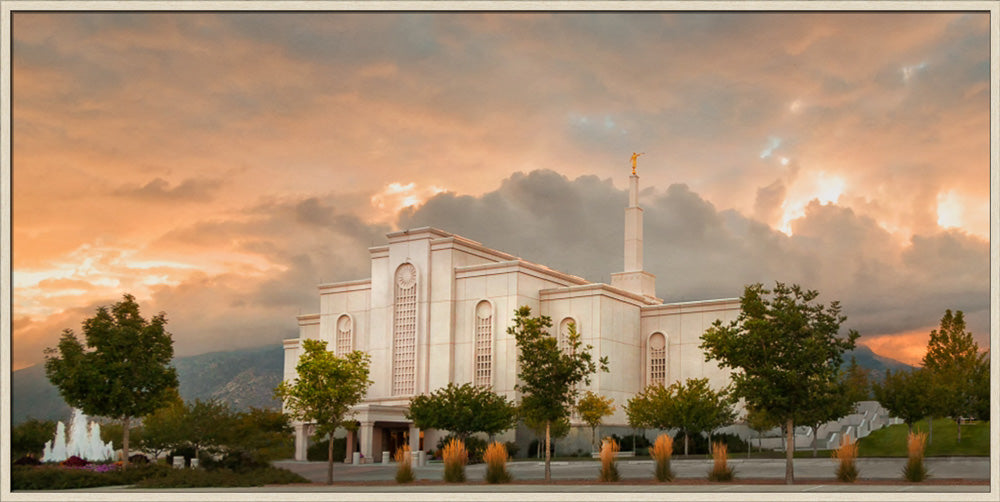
847,471
185,451
74,461
496,463
404,468
662,450
237,461
609,469
639,441
455,456
720,471
474,447
318,451
53,477
138,458
535,448
915,471
27,460
512,449
221,477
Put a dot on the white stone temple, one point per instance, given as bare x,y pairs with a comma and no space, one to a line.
436,310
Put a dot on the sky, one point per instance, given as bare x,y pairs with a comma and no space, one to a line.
219,166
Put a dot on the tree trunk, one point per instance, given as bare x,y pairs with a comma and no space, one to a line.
815,439
329,461
789,452
126,422
959,420
930,430
548,456
909,427
593,437
685,444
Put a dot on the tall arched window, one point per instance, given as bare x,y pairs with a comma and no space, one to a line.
345,329
657,360
404,332
564,333
484,344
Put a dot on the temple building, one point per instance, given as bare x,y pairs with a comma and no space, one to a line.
436,310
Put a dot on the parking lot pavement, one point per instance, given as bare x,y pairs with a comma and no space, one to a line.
818,469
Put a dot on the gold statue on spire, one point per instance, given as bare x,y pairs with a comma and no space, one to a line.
635,156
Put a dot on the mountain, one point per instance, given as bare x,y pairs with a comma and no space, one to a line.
245,378
874,363
241,378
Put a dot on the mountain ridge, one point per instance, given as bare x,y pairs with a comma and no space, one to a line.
246,378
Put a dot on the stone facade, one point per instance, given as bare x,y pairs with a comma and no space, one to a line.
436,310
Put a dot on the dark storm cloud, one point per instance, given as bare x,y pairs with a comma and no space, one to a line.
698,252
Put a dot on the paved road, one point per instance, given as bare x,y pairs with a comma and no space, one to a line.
818,469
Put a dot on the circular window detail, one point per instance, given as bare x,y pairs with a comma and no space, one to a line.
406,277
484,310
344,323
657,342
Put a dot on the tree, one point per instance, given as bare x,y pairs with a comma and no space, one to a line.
904,395
263,431
760,421
463,409
547,375
784,350
124,369
325,390
836,400
29,437
692,406
207,425
592,409
951,360
163,429
557,430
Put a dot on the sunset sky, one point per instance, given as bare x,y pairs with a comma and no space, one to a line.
219,166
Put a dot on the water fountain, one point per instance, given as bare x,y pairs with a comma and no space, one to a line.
84,442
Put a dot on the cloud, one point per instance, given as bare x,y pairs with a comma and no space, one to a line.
699,252
196,190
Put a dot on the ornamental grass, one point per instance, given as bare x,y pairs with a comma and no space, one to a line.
455,456
661,451
915,471
495,457
404,467
847,470
609,469
720,471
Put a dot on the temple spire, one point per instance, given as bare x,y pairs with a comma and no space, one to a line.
634,278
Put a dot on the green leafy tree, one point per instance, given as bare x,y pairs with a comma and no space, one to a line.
557,430
207,425
122,371
784,349
29,437
952,360
760,421
836,401
904,394
163,429
463,410
326,389
593,408
263,432
692,406
547,375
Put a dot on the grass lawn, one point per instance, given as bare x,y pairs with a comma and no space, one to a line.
891,441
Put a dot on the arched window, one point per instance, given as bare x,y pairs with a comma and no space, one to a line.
404,332
345,329
657,359
564,333
484,344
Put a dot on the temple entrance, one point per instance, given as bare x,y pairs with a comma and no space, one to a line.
394,438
